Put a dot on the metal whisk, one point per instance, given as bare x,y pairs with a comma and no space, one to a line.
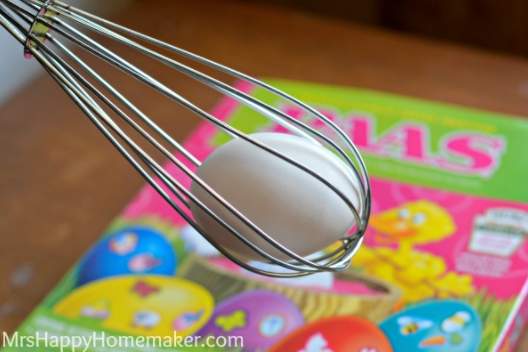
47,28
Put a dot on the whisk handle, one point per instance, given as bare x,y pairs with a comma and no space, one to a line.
38,29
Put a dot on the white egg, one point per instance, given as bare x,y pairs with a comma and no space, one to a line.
287,203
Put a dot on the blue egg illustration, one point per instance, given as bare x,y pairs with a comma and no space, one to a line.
132,250
436,326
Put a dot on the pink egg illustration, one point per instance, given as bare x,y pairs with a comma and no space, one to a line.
260,317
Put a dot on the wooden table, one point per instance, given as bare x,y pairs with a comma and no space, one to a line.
61,183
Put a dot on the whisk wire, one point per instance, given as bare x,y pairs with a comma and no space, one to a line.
240,96
148,80
84,94
166,153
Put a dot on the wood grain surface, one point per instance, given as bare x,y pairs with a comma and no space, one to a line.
61,182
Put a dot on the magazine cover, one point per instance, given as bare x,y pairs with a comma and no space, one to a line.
444,264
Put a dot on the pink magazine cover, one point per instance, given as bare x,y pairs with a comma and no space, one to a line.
443,267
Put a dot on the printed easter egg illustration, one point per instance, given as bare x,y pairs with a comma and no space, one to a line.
336,334
436,326
261,317
152,305
133,250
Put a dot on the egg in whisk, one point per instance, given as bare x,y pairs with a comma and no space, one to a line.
289,204
249,202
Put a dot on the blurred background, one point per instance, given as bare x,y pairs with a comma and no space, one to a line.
500,26
493,25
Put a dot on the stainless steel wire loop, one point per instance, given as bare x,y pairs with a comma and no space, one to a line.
47,30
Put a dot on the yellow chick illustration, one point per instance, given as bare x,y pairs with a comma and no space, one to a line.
419,274
418,222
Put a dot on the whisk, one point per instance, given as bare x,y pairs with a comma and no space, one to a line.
46,29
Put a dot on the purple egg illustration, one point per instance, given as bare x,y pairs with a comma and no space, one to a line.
260,317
